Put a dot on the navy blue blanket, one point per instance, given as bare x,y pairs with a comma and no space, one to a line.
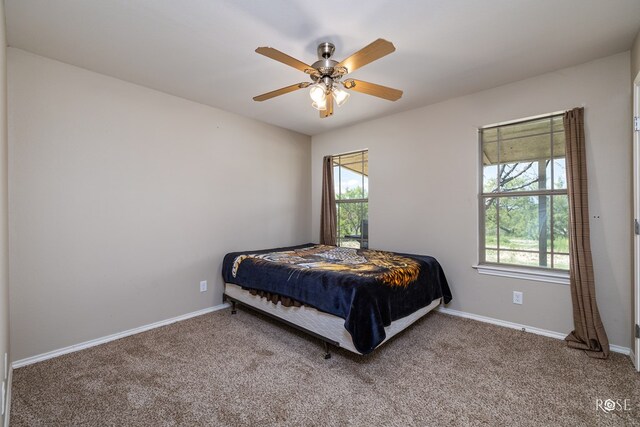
369,289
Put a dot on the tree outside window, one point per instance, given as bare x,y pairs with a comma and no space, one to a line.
351,180
524,203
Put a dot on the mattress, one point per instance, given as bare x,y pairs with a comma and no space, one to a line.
321,323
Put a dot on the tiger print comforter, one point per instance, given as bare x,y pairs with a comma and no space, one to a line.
367,288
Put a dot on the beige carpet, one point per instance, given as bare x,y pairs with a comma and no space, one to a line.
220,369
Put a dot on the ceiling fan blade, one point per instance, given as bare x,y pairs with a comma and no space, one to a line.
286,59
367,54
280,91
373,89
329,110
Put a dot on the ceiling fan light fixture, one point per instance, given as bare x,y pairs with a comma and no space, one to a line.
326,74
317,94
320,106
341,96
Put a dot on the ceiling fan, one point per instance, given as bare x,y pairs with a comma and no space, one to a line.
326,75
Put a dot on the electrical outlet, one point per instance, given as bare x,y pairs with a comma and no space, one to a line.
203,286
517,297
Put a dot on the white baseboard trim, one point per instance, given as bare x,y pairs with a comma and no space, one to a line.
525,328
91,343
620,349
7,411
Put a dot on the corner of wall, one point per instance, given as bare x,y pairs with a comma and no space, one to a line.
635,58
4,239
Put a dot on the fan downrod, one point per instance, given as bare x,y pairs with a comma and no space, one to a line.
325,50
325,66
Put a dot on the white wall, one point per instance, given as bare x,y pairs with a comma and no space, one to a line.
123,198
423,181
4,236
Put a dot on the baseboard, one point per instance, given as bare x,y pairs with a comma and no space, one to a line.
525,328
7,411
620,349
91,343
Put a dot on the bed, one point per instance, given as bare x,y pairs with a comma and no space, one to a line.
352,298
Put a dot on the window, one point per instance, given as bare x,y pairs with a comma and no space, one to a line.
351,180
524,209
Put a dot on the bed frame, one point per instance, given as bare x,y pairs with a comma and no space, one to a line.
329,329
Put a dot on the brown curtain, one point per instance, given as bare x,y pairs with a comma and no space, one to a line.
588,333
328,217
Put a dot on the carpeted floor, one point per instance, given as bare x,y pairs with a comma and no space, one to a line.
220,369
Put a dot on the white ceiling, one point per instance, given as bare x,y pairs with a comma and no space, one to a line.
203,50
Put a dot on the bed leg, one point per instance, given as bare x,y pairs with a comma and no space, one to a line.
327,354
233,307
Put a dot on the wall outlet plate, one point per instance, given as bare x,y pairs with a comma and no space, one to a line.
203,286
517,297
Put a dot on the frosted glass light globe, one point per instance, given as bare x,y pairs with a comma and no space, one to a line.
340,96
320,106
317,94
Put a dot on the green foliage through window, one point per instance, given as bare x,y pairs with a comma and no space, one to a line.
351,181
524,204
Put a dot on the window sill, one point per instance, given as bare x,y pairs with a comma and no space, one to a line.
561,277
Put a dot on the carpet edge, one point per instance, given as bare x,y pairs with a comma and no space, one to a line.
525,328
112,337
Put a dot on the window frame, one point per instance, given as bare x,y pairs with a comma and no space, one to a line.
364,243
538,273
